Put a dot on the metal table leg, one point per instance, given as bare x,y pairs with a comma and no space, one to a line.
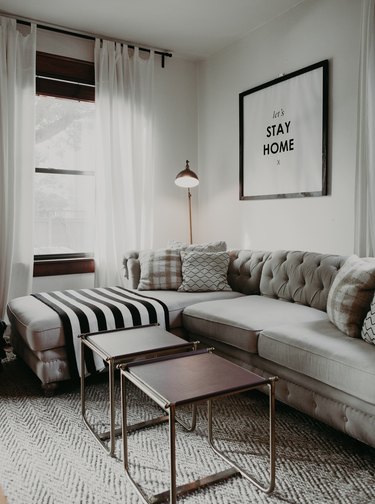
111,434
114,431
177,491
111,408
171,494
271,482
172,454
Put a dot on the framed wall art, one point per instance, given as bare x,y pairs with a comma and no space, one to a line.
284,136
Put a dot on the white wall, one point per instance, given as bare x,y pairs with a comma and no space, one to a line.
312,31
196,118
175,126
175,141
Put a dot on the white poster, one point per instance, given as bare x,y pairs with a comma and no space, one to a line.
283,136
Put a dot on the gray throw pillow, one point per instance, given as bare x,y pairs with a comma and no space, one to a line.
204,271
350,295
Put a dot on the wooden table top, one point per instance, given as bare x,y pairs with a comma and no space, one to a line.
134,341
192,377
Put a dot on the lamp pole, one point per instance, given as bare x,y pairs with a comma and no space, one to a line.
190,219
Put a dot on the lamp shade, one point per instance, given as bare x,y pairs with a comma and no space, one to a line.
186,177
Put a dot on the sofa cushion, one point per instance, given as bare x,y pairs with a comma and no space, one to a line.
350,295
160,269
37,324
40,326
319,350
178,301
237,322
204,271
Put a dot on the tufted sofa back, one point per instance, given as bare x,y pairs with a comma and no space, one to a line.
295,276
300,277
245,270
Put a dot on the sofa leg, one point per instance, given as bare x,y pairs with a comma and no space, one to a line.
3,343
49,389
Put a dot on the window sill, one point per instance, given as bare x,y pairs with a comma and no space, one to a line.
63,267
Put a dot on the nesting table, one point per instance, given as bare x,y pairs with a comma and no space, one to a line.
121,346
186,379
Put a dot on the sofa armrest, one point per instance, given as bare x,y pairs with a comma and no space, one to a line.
132,269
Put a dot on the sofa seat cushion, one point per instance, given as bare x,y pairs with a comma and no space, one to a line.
37,324
237,322
40,326
321,351
178,301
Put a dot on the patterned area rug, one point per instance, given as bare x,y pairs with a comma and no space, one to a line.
47,456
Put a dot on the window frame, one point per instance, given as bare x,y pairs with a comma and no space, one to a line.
73,79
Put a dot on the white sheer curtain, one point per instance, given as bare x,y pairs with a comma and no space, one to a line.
364,242
124,91
17,98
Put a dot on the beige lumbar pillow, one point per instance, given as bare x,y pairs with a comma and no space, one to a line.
351,294
216,246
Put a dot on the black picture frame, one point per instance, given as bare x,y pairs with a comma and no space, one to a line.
283,137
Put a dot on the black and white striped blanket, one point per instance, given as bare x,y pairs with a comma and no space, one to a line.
104,308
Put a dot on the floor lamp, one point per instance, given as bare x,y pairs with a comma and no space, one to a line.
187,179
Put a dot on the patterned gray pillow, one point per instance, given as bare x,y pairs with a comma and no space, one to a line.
160,269
350,295
204,271
368,328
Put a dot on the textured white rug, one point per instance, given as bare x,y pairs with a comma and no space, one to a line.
47,456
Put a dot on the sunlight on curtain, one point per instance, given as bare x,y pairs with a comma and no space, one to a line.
17,95
364,240
124,85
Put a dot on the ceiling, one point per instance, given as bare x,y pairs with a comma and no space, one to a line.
194,29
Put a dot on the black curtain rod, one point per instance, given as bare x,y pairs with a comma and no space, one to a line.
163,54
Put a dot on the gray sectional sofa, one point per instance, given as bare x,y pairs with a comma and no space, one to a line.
276,324
273,321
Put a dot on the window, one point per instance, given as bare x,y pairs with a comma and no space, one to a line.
64,220
64,178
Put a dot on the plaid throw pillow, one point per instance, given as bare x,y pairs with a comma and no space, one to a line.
350,295
204,271
160,270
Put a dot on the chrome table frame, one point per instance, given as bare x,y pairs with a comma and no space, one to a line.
235,470
113,361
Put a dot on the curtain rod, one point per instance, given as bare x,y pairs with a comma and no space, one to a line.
85,35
